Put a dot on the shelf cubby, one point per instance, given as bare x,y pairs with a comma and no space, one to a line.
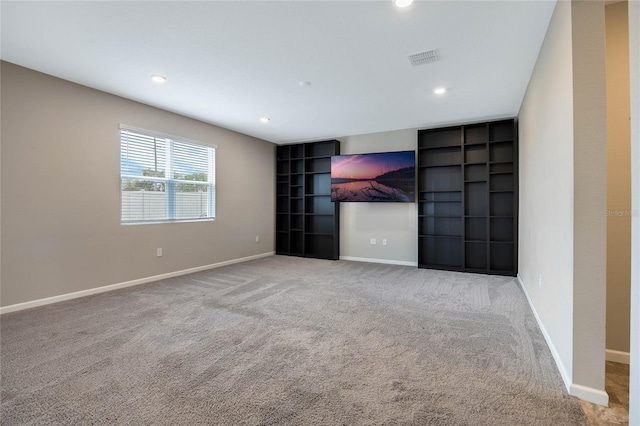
297,166
282,223
501,257
474,135
440,156
296,243
319,224
321,149
501,152
440,251
501,130
501,204
475,172
282,167
475,154
439,138
475,199
444,179
498,168
501,182
318,165
501,229
440,226
475,255
475,228
297,151
318,184
319,246
282,242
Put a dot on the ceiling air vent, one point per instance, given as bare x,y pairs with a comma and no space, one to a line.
424,57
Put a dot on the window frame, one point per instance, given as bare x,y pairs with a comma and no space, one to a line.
170,184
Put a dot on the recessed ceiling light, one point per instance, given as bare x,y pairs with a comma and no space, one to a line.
439,90
265,119
305,83
403,3
159,78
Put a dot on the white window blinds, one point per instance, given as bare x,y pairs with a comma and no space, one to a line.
165,179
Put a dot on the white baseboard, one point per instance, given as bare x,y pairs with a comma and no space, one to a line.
589,394
617,356
583,392
566,378
111,287
385,261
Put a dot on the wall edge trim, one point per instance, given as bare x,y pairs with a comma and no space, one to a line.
374,260
589,394
110,287
617,356
566,378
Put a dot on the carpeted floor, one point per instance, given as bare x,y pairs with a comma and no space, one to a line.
285,340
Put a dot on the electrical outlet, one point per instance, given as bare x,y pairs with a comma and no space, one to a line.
373,241
384,241
159,252
540,280
257,238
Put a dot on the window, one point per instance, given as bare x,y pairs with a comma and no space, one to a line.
164,178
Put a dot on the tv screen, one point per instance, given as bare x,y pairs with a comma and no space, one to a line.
376,177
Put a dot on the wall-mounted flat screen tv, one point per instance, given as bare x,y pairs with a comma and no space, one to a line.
375,177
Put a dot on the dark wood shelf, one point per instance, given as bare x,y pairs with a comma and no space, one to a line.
469,174
307,222
439,165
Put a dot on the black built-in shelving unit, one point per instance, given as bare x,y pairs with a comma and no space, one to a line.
468,198
307,221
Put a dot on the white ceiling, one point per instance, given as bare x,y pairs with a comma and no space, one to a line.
231,62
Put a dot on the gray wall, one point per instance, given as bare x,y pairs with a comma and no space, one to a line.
395,222
61,229
634,73
618,178
545,246
562,224
590,195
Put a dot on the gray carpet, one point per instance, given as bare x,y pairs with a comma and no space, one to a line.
285,340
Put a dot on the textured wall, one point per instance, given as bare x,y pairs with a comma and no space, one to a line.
618,178
634,66
590,195
545,244
562,226
61,229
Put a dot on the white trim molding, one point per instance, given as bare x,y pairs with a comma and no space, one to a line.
385,261
617,356
583,392
111,287
554,352
589,394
